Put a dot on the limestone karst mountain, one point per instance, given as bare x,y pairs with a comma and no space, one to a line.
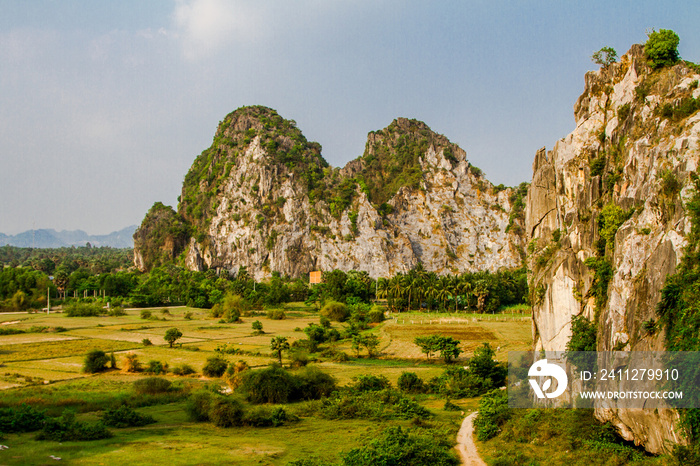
262,197
606,221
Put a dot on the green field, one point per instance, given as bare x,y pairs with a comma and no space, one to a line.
43,369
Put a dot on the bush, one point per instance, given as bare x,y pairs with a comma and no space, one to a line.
25,418
125,416
183,369
336,311
226,412
493,413
198,405
409,382
276,314
234,374
146,342
376,314
397,446
152,386
66,428
215,366
366,383
83,310
131,363
95,361
188,315
156,367
258,327
264,416
314,384
117,312
270,385
146,314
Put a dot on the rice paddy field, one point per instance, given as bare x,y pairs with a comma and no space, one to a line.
43,368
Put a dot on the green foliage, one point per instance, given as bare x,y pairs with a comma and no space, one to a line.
172,335
270,385
156,367
370,383
183,369
279,344
601,279
152,386
215,366
125,416
493,413
336,311
162,236
610,219
623,112
77,309
146,314
66,428
198,405
258,327
517,213
409,382
95,361
396,446
661,48
683,109
24,418
605,57
276,314
226,412
447,346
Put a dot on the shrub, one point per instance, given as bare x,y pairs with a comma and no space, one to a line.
449,406
409,382
258,327
24,418
131,363
376,314
146,314
276,314
226,412
397,446
335,311
183,369
234,374
493,412
365,383
156,367
605,56
198,405
66,428
125,416
117,312
661,48
314,384
215,366
188,315
95,361
270,385
264,416
146,342
152,386
325,322
83,310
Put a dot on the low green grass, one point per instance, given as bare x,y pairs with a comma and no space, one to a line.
44,370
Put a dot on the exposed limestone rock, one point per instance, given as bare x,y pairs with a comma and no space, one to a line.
623,152
262,198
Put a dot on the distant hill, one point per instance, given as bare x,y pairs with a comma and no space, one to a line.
56,239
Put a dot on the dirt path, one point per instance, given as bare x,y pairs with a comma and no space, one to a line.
465,443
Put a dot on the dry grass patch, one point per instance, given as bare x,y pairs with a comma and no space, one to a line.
58,349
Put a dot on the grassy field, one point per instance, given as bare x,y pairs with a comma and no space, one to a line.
43,369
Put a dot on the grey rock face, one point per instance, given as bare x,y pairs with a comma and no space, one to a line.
647,162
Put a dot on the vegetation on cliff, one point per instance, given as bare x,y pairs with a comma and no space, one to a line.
162,235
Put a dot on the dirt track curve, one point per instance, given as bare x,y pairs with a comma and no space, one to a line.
465,443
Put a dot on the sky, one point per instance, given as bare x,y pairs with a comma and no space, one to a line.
104,105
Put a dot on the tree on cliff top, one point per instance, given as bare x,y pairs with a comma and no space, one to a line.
661,48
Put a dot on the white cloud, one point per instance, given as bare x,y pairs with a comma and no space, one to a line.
205,26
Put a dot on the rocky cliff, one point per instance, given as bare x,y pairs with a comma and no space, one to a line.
263,197
605,216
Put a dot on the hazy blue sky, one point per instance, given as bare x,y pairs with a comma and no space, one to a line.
104,105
